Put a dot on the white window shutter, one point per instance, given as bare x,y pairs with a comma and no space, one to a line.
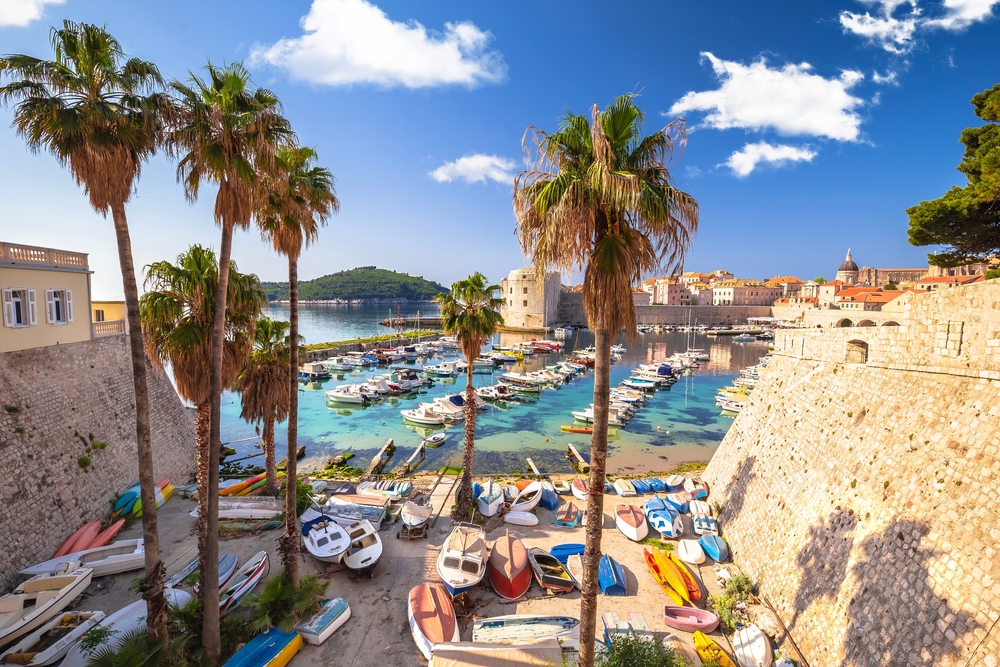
8,308
69,305
50,307
32,308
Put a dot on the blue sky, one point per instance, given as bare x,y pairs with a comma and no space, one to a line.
814,125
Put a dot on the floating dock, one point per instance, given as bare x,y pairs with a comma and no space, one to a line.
578,460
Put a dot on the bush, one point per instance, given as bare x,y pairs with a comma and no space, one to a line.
638,651
740,588
279,604
302,493
725,608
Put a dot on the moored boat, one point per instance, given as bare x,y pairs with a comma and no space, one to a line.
53,640
631,522
461,563
714,547
508,568
523,628
690,619
751,647
37,600
271,648
549,572
432,617
331,615
611,577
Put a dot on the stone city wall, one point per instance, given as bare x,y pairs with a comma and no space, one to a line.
831,317
340,350
859,485
571,312
53,400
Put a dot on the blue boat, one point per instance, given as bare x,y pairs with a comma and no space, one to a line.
562,552
640,486
611,577
331,615
550,500
273,648
656,484
654,504
403,488
666,522
715,547
677,501
608,489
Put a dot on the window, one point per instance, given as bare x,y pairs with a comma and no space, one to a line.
525,290
19,307
525,303
58,306
98,315
511,290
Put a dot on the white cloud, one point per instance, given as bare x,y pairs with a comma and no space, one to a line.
475,169
887,79
354,42
22,12
744,161
790,100
960,14
895,32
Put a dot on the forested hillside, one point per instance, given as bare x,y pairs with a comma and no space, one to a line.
365,282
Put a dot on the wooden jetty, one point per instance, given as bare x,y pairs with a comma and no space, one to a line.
380,460
534,470
578,460
734,332
417,456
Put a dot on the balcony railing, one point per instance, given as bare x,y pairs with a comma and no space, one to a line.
111,328
13,253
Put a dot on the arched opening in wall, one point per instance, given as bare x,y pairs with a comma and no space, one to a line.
844,323
857,352
866,323
890,323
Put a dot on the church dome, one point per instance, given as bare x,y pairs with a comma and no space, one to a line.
848,264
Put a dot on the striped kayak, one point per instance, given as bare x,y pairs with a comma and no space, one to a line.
162,496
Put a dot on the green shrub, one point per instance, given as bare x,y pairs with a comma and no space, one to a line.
279,604
638,651
740,588
725,608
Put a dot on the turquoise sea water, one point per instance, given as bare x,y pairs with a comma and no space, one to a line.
679,425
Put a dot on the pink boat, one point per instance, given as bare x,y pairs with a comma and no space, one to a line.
690,619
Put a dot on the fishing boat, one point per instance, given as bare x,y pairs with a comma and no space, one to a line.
674,483
696,507
524,628
242,582
751,647
711,652
527,499
714,547
521,518
432,617
631,522
549,572
660,576
331,615
366,547
508,568
461,564
677,500
683,649
667,522
325,539
624,488
611,577
413,515
693,588
690,619
271,648
690,551
561,486
562,552
705,525
579,488
490,499
118,557
53,640
38,600
568,516
695,489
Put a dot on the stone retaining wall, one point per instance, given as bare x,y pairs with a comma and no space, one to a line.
53,400
859,486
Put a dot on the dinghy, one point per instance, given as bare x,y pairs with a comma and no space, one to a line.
334,488
674,483
461,564
611,577
690,619
631,522
331,615
667,523
39,599
579,488
521,518
227,569
695,489
640,486
654,504
711,652
751,647
562,552
242,582
432,617
561,486
683,649
677,500
624,488
524,628
656,484
271,648
549,572
509,571
705,525
325,539
528,498
491,499
549,499
366,548
113,559
659,575
49,643
568,516
413,515
714,547
693,589
690,551
435,440
696,507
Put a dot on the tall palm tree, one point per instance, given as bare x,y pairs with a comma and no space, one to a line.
263,386
471,312
98,112
599,198
225,132
178,319
295,202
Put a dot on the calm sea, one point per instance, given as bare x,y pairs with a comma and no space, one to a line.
679,425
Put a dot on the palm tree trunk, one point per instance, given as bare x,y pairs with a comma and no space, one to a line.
289,542
465,501
202,443
595,500
271,486
152,586
210,637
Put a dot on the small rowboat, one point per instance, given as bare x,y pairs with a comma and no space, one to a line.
678,500
550,499
331,615
695,489
693,589
549,572
521,518
414,515
528,498
611,577
524,628
272,648
575,566
568,516
667,523
690,619
683,649
435,440
242,582
562,552
508,568
49,643
631,522
656,484
674,483
432,617
696,507
690,551
715,547
709,651
579,488
705,525
490,499
666,575
584,430
640,486
751,647
624,488
654,504
114,559
561,486
36,601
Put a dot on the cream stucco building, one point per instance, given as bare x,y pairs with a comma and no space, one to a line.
527,302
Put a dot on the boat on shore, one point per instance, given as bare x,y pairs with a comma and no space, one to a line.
549,572
508,568
242,582
490,499
631,522
568,516
709,651
690,551
366,548
432,617
579,488
714,547
653,564
751,647
413,515
325,539
37,600
524,628
331,615
521,518
461,564
690,619
611,577
112,559
272,648
52,641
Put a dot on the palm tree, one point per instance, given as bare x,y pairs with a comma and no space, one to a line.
471,312
598,198
263,386
295,202
226,133
178,319
98,112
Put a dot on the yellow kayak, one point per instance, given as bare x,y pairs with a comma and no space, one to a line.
673,576
708,650
658,576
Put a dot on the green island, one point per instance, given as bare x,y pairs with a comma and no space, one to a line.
364,283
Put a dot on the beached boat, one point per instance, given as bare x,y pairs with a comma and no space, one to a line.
80,540
640,486
667,522
751,647
242,582
325,539
695,489
253,508
654,504
549,572
714,547
674,483
631,522
705,525
696,507
693,588
461,564
683,649
271,648
690,551
611,577
568,516
490,499
579,488
113,559
528,498
690,619
38,600
432,617
561,486
521,518
677,500
508,568
562,552
624,488
549,499
334,488
108,534
413,515
711,652
480,654
575,566
53,640
331,615
659,575
524,628
656,484
347,513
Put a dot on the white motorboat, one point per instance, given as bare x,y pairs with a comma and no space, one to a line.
337,364
121,556
366,547
414,515
325,539
348,393
435,440
38,600
491,498
49,643
461,564
527,499
443,369
423,415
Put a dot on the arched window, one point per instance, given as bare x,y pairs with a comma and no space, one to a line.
857,352
866,323
844,323
890,323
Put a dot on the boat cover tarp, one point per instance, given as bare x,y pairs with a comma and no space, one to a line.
468,654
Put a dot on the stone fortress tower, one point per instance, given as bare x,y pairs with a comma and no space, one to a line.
527,302
848,271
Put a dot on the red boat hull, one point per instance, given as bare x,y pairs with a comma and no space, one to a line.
510,588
